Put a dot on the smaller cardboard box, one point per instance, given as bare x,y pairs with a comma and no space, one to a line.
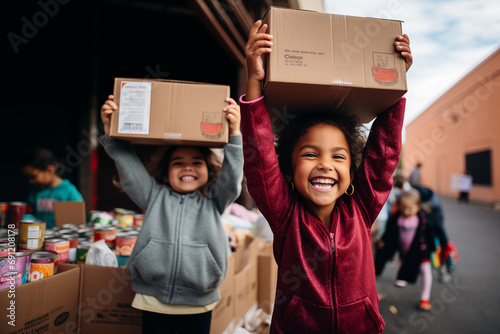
163,112
69,212
245,284
223,313
267,277
322,61
49,305
105,302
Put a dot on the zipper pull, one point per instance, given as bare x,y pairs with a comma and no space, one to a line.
182,198
333,241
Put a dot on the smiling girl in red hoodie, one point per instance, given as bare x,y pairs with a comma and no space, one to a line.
320,201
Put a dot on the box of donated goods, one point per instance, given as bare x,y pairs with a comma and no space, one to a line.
323,61
162,112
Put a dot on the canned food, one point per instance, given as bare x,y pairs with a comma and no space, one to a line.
16,212
61,247
124,217
90,236
31,234
81,252
71,227
125,243
84,230
42,264
5,248
73,243
138,220
50,234
106,232
14,269
4,211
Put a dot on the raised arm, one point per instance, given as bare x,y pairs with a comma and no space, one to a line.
134,178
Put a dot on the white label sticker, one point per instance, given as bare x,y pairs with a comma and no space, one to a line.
135,105
33,231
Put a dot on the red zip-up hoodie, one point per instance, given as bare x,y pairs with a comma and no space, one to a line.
326,279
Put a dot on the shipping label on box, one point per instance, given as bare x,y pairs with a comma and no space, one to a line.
164,112
48,305
332,62
105,302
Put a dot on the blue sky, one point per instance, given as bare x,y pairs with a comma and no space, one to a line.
448,38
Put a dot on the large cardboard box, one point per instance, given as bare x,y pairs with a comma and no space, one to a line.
267,277
323,61
105,302
49,305
161,112
69,212
223,313
245,284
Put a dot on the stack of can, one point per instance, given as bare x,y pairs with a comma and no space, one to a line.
35,251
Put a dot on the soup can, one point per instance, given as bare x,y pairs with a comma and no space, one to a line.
31,234
125,242
4,212
81,252
124,217
61,247
16,212
14,269
106,232
138,218
7,247
42,264
73,243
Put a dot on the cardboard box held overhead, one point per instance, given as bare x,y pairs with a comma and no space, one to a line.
162,112
323,61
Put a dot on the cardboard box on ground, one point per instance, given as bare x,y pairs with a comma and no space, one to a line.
161,112
332,62
49,305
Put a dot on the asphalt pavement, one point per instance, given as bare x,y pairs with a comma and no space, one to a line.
470,303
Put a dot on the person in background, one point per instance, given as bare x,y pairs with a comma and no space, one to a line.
465,187
410,231
181,255
40,167
415,175
320,196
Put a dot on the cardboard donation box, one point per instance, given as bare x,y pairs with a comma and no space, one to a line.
245,281
268,276
49,305
323,61
161,112
69,212
105,302
223,313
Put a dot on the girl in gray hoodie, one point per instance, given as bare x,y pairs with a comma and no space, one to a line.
181,255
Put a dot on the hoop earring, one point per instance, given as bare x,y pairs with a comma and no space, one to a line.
293,186
352,191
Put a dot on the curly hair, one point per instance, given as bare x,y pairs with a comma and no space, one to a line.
290,135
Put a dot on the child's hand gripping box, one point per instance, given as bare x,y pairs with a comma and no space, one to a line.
162,112
323,61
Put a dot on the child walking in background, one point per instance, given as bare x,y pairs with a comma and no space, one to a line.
411,232
181,255
320,201
40,167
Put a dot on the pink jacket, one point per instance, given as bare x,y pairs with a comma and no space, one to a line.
326,279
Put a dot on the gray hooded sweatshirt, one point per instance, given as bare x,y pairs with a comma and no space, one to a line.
181,253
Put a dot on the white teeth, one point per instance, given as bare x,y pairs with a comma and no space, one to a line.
187,178
323,181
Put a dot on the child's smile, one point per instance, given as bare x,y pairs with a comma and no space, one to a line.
321,164
187,170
